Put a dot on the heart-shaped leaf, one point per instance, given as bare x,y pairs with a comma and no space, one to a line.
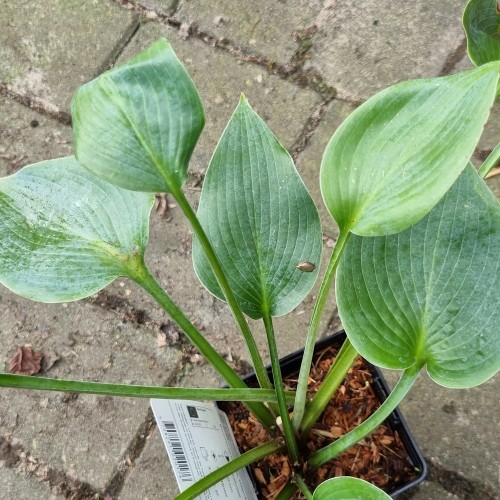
137,125
65,234
259,218
348,488
482,27
394,157
429,295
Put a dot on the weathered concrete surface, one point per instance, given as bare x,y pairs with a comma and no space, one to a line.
165,7
92,344
264,27
48,49
363,47
27,137
12,483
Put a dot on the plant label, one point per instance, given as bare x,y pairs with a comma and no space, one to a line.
199,440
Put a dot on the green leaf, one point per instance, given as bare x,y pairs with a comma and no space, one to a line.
348,488
429,295
482,26
137,125
66,234
259,218
394,157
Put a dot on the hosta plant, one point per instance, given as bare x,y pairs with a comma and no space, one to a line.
416,261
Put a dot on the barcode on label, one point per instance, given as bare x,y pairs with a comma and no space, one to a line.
179,457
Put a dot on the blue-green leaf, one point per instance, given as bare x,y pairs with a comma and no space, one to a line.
259,218
429,295
482,27
396,155
65,234
136,126
348,488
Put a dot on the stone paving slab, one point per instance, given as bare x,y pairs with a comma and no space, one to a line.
48,49
12,483
165,7
28,137
363,47
258,27
94,345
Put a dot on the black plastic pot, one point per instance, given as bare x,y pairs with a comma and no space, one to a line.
291,364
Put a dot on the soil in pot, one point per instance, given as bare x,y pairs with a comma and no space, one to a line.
380,458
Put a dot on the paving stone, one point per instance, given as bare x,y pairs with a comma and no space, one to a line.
48,49
152,476
16,485
265,28
165,7
366,46
429,490
458,429
85,436
28,137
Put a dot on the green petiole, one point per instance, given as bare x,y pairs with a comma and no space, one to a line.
226,470
257,361
301,395
370,424
140,391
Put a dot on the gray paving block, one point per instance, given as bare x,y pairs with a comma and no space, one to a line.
17,485
28,137
165,7
84,436
48,49
265,28
152,477
366,46
429,490
458,429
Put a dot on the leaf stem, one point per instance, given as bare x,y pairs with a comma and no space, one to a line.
370,424
139,391
303,487
143,277
305,367
226,470
258,363
490,162
287,492
288,431
343,362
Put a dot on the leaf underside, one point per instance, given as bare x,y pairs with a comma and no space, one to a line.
348,488
136,125
66,234
429,295
259,218
482,26
396,155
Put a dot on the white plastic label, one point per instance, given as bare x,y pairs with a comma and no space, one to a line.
199,440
